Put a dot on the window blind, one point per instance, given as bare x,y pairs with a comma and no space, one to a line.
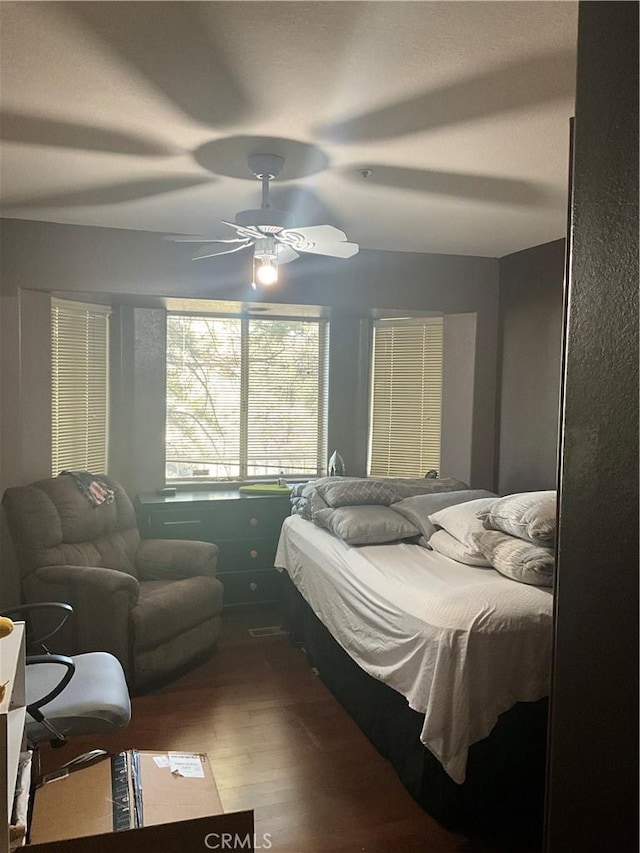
80,386
246,398
406,397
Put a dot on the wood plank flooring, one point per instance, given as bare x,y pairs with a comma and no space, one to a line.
280,744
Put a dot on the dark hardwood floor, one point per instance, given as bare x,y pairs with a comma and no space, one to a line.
280,744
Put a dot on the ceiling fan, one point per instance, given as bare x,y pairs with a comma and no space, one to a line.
270,232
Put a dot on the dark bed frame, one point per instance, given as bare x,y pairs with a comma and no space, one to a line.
504,789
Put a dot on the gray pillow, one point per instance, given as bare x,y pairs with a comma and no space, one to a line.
366,525
356,493
407,487
419,507
527,515
516,559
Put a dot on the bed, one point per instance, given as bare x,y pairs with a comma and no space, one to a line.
444,666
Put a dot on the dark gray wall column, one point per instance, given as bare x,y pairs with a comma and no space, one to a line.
25,379
138,412
458,376
531,284
485,389
347,431
592,795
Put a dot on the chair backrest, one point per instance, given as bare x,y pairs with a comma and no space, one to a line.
52,523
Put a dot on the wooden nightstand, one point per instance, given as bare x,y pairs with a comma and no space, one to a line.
244,527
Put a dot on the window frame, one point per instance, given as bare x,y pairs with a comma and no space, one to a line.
245,319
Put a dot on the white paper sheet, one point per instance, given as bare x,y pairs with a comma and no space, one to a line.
186,764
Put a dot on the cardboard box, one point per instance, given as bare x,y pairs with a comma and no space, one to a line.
123,797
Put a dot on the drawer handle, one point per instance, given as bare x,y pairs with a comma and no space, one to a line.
253,587
186,521
254,522
253,554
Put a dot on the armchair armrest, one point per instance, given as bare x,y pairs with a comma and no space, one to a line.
172,559
102,601
95,578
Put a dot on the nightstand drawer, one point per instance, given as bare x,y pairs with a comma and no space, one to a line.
236,555
188,523
246,518
250,587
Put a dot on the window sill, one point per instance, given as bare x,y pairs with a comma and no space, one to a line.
225,485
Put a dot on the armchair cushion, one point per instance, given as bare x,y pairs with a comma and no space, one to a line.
171,559
113,551
167,610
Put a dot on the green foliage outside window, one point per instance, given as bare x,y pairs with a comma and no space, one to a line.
245,397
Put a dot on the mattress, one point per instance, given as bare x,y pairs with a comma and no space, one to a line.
462,644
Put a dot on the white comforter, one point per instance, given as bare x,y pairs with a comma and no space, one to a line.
462,644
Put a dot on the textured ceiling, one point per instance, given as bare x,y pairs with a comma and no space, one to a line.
141,115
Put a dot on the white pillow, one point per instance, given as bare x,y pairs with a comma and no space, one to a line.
444,543
516,558
461,522
527,515
419,507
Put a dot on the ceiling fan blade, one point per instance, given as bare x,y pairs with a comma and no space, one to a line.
40,130
285,254
185,238
537,80
314,233
484,188
208,252
109,194
248,231
319,240
332,250
172,45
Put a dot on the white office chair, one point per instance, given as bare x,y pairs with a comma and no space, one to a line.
66,696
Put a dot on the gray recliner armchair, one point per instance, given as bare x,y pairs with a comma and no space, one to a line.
153,604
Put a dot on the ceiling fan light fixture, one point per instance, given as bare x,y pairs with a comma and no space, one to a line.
265,261
265,270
